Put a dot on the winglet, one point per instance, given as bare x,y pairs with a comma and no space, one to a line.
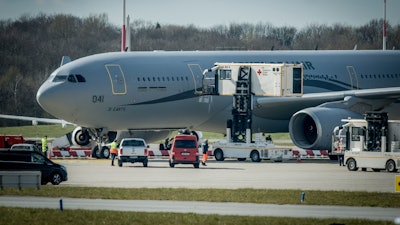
65,59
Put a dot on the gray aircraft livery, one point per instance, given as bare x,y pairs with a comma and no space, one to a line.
150,94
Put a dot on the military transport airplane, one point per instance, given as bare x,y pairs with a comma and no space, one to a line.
150,94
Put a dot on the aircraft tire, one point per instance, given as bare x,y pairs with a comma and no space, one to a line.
105,152
95,152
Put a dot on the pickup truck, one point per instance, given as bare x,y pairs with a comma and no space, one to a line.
133,150
27,147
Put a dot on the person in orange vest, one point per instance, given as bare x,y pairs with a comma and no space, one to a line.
205,153
113,151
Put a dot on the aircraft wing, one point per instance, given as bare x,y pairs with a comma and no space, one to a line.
355,100
36,120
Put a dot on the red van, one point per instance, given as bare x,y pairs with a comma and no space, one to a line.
184,150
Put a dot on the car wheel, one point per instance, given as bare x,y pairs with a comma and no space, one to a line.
352,165
391,166
145,162
219,155
119,163
255,156
171,164
56,179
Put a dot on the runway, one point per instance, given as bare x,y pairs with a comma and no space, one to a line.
231,174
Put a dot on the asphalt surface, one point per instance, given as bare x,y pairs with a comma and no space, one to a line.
305,175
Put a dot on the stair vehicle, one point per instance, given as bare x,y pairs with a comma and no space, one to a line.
245,82
184,150
370,143
133,150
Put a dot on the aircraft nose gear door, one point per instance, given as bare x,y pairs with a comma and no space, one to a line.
117,79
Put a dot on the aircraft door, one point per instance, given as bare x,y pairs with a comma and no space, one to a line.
353,77
197,74
117,79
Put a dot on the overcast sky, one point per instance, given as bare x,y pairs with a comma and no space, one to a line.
207,13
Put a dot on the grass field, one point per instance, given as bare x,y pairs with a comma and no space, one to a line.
50,216
262,196
54,131
17,216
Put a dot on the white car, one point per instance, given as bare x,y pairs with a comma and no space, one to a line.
133,150
27,147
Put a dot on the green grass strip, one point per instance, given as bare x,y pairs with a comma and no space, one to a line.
261,196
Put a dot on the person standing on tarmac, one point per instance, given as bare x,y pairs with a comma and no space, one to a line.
113,151
44,146
205,153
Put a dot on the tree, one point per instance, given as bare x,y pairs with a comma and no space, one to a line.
11,81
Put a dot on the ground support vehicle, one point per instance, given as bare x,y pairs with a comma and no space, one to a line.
370,143
256,150
6,141
184,150
244,82
133,150
33,161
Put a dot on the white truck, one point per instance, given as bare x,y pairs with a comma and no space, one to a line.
369,143
133,150
256,150
244,82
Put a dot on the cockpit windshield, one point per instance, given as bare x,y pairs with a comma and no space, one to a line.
73,78
60,78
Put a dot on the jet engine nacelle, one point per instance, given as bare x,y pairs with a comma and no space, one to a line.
312,128
80,137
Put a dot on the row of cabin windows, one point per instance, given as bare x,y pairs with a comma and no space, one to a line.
368,76
380,76
148,79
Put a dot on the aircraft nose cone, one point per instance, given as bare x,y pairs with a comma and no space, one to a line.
41,97
47,98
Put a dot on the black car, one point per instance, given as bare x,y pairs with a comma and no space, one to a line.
33,161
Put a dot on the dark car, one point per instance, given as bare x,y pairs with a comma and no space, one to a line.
33,161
